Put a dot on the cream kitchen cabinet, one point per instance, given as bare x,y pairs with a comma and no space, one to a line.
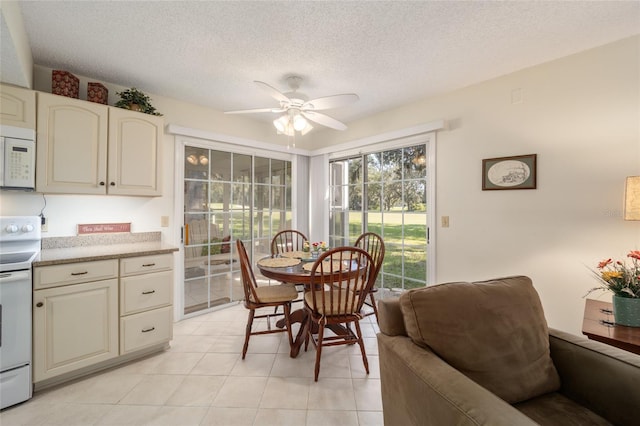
135,148
90,315
90,148
75,317
72,146
17,107
146,290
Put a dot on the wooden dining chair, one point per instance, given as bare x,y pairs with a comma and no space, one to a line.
287,240
328,305
256,297
373,244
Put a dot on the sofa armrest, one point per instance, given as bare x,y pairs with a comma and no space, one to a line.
390,317
601,377
419,388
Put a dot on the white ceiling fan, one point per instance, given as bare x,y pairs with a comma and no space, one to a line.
296,108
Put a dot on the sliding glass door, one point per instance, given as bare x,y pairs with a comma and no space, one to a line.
384,192
228,196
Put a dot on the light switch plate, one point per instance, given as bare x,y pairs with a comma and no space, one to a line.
445,221
164,221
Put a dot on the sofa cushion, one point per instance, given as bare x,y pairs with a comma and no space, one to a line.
493,331
556,409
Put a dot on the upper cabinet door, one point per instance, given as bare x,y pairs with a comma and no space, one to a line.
71,146
17,107
135,150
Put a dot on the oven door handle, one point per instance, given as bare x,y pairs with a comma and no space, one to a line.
7,277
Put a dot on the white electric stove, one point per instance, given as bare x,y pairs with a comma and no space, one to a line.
19,245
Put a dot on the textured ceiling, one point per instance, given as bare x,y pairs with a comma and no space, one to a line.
389,53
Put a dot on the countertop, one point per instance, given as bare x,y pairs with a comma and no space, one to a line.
58,256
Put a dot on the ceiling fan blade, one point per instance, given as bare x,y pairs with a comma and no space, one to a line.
249,111
325,120
274,93
328,102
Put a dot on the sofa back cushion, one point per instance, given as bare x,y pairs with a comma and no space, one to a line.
492,331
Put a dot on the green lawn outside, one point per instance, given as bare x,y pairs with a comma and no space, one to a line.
406,246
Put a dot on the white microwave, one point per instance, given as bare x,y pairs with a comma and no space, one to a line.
17,163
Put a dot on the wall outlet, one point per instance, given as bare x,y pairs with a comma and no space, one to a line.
164,221
44,224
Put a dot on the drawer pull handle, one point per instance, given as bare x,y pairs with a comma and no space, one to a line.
39,304
79,273
148,264
149,292
146,330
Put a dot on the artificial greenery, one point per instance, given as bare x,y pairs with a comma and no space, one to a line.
135,97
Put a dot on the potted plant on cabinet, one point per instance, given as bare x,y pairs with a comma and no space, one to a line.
135,100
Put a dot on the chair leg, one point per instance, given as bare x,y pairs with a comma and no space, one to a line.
361,343
318,350
374,306
252,312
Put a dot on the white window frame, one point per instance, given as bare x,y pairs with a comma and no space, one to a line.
191,137
319,169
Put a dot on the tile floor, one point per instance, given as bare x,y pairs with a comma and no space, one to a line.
202,380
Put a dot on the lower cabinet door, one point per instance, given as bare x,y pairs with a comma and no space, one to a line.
146,329
74,326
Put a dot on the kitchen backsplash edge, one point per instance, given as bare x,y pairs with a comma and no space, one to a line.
100,240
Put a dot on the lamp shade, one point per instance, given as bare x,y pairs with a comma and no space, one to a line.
281,123
299,123
632,198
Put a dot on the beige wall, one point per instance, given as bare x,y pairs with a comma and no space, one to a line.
581,116
16,64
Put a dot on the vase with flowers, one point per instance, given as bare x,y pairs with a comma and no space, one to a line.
317,248
623,280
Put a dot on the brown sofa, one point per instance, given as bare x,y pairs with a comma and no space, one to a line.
481,354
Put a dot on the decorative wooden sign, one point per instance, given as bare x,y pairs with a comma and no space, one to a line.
103,228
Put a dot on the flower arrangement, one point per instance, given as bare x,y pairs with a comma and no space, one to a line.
620,278
318,246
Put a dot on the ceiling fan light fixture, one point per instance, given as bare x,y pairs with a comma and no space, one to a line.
306,129
299,110
299,123
281,124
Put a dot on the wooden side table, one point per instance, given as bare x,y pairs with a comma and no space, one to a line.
598,324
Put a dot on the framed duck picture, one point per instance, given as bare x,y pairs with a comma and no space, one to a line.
517,172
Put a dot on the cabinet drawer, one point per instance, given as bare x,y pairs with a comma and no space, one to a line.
147,291
73,273
145,329
144,264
